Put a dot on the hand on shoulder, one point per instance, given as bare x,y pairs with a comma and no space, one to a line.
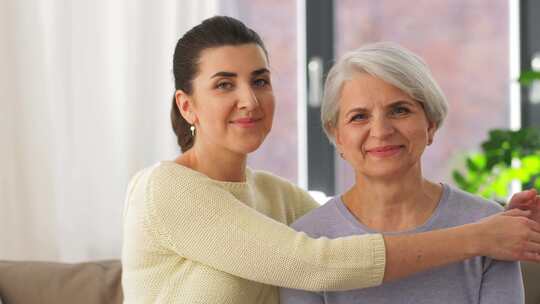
527,200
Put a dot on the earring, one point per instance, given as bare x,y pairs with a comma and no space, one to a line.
341,154
192,129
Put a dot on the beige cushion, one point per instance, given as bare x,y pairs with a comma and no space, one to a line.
45,282
531,280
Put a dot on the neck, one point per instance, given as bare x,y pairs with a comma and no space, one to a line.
393,205
220,165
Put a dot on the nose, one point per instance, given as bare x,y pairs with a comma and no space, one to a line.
247,99
381,127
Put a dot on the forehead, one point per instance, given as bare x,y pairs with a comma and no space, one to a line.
232,58
364,89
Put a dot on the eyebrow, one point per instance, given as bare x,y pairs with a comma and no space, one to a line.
393,104
260,72
400,102
231,74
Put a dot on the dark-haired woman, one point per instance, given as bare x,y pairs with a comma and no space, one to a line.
204,228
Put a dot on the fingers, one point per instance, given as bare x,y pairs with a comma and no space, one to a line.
532,247
536,203
531,251
519,237
534,236
517,212
531,257
522,198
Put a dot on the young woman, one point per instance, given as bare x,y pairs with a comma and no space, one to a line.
204,228
382,109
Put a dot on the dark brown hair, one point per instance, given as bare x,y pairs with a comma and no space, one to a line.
213,32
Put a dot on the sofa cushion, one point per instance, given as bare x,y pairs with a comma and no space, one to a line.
531,281
46,282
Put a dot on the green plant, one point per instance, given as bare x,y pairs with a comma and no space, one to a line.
506,156
527,77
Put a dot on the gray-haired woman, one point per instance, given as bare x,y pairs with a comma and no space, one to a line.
381,109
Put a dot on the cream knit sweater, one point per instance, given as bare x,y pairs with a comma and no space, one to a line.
191,239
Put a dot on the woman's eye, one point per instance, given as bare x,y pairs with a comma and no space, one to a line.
224,85
261,82
400,111
358,117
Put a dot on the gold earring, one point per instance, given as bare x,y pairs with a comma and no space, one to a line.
192,129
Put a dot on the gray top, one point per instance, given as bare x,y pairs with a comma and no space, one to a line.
477,280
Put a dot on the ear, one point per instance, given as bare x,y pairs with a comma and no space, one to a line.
432,127
337,136
184,103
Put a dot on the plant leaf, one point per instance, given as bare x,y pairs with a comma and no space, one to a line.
527,77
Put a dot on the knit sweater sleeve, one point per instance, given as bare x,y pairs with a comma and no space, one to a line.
203,222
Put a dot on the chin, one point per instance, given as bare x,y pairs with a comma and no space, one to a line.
248,147
383,172
389,172
251,143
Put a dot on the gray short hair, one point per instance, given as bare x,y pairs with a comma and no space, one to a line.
391,63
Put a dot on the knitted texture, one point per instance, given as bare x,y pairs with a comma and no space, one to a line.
191,239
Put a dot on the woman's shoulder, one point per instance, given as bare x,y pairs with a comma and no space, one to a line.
469,203
320,220
265,177
167,175
294,195
166,169
272,182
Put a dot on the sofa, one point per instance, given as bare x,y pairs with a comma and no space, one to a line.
59,283
99,282
531,281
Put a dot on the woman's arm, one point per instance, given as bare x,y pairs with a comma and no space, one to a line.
202,222
205,223
504,236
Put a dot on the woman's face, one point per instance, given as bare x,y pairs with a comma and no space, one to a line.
232,102
381,131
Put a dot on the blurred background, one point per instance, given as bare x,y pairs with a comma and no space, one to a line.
85,89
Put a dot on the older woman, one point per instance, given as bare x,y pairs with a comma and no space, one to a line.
381,109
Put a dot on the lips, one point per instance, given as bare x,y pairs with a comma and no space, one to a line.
245,122
385,151
384,148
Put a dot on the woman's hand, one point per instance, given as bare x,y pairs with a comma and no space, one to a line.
510,235
527,200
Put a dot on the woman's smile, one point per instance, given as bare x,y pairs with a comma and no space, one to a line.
246,122
385,151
